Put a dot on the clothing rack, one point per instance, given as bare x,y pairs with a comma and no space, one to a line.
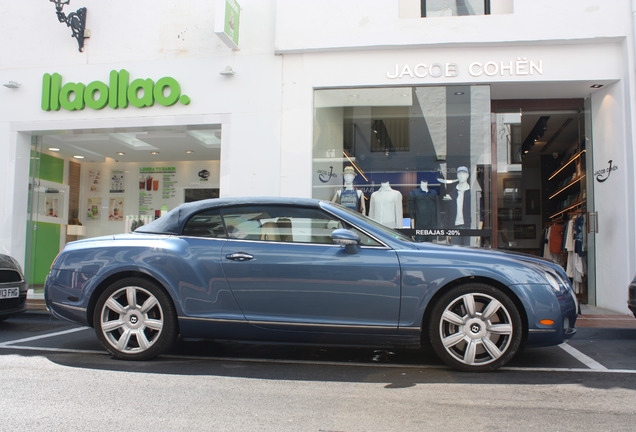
573,206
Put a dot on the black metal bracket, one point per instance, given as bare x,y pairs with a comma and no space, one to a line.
75,20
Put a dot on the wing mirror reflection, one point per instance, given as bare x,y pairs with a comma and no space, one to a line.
346,238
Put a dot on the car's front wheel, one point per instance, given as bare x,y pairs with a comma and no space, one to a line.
475,327
134,319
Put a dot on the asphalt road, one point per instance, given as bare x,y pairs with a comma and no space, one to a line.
56,376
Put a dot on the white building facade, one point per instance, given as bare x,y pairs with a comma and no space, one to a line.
535,100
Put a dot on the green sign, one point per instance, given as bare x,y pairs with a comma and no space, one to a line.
226,22
232,15
118,93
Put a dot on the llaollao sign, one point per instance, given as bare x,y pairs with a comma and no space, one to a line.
119,92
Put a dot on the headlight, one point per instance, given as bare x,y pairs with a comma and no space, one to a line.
553,281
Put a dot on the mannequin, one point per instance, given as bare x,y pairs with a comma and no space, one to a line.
349,196
386,206
424,209
458,210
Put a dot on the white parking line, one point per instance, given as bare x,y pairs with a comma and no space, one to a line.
44,336
49,349
587,361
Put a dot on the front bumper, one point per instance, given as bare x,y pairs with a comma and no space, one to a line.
553,316
13,306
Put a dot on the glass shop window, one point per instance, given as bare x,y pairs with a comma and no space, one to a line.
412,158
435,8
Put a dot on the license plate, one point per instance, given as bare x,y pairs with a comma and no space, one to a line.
10,292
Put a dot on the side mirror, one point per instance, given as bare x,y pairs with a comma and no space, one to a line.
346,238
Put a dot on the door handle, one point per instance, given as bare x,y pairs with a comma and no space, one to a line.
239,256
592,222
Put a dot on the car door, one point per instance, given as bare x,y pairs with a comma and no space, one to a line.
286,273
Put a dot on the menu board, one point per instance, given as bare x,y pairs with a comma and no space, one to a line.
156,186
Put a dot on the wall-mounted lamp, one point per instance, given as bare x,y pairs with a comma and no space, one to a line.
75,20
11,84
228,71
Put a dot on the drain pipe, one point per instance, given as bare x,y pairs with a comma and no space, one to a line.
632,104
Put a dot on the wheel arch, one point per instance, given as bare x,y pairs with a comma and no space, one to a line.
470,280
97,292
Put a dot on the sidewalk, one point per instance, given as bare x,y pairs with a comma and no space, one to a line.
592,316
35,301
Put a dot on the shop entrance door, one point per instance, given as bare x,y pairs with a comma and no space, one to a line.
48,214
544,202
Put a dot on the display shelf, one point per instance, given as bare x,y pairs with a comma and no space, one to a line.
568,163
568,186
565,210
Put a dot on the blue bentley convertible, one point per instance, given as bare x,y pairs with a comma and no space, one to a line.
306,271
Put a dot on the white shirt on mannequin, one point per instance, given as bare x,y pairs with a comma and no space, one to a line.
386,206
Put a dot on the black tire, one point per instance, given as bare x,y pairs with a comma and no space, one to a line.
135,319
475,328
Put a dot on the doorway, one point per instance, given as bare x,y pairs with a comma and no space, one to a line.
544,202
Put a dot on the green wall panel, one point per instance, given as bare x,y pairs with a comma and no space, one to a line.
45,245
49,168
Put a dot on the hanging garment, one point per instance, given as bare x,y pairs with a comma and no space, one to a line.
556,238
569,247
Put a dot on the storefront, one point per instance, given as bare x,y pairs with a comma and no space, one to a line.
487,142
93,183
425,160
500,147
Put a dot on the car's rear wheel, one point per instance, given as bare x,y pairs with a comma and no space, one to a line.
475,327
134,319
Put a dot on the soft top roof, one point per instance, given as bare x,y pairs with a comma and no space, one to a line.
172,223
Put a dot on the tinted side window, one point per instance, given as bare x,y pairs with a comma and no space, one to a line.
284,224
205,224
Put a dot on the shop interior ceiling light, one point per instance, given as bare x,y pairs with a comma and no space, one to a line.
207,138
11,84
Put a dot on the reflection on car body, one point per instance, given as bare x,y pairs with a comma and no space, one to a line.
631,296
306,271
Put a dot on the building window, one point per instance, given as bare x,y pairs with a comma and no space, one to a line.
436,8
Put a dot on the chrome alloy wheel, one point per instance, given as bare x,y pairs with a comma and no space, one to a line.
131,320
476,329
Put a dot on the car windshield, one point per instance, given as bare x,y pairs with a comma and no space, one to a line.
386,230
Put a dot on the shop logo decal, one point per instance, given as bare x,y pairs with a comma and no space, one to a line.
118,93
204,174
604,172
325,176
